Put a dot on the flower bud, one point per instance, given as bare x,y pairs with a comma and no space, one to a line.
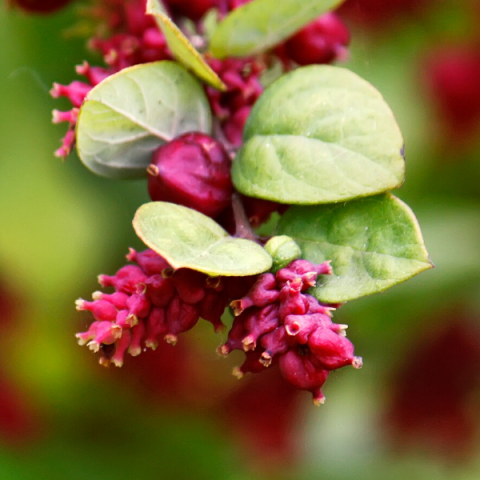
332,350
322,41
156,326
102,310
159,290
190,285
148,260
301,326
126,280
298,368
261,294
264,322
193,9
283,251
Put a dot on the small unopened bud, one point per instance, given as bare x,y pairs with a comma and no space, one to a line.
283,251
321,41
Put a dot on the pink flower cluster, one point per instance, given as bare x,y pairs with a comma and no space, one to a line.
152,301
134,38
76,93
232,107
278,322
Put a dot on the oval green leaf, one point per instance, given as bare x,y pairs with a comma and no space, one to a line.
181,48
260,25
189,239
373,243
320,134
130,114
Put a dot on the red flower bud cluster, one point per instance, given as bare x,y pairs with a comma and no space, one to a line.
232,107
381,13
427,409
76,93
322,41
450,74
123,50
193,9
277,322
134,39
152,301
194,171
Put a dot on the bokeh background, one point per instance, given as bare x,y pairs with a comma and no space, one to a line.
413,410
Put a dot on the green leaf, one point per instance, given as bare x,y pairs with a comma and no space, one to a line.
187,238
257,26
373,243
182,48
130,114
319,134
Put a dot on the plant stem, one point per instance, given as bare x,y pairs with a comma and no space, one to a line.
243,229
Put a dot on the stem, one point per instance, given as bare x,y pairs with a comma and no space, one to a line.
243,229
220,136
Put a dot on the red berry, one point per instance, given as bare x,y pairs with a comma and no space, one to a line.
194,9
451,75
321,41
381,13
194,171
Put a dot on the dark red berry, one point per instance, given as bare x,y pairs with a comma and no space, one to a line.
194,171
39,6
381,13
194,9
450,75
321,41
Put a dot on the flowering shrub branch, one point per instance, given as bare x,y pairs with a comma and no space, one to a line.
231,112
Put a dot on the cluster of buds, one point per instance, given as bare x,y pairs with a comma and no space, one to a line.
420,407
378,14
134,39
232,107
277,322
76,93
449,74
152,301
321,41
194,10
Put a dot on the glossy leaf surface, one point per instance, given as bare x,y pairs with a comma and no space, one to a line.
187,238
257,26
319,134
373,243
181,47
130,114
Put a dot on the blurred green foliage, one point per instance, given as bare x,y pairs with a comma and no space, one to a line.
61,226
